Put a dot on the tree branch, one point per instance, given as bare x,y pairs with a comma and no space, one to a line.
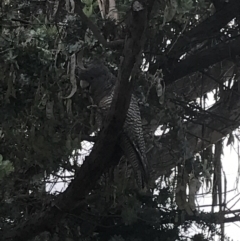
205,30
203,59
208,28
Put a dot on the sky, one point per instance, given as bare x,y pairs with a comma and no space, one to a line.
230,166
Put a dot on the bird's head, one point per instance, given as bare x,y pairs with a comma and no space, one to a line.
98,77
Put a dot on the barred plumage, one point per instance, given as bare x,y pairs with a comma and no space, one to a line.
131,141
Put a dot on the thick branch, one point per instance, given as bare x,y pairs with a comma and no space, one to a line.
203,59
208,28
205,30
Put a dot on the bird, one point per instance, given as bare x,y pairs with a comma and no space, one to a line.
131,141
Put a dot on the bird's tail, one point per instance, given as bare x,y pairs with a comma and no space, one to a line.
137,161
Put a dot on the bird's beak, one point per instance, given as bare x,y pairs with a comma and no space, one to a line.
80,60
84,84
